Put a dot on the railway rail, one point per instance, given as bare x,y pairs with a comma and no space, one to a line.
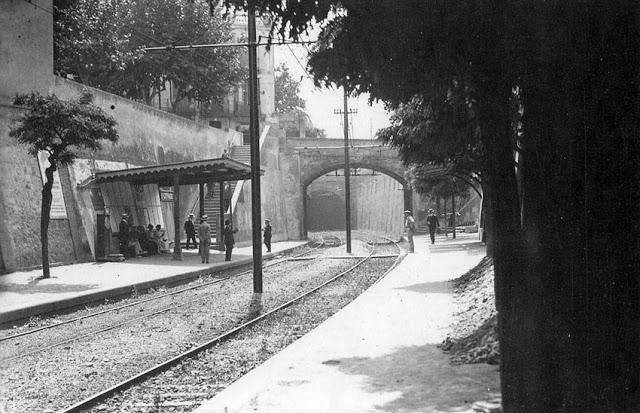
232,330
320,243
194,352
147,315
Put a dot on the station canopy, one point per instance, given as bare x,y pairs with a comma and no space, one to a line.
189,173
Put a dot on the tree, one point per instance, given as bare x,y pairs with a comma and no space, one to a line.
565,216
439,185
60,128
287,91
101,42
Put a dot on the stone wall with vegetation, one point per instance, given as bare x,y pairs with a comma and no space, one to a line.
20,200
147,137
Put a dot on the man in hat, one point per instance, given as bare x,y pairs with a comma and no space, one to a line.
204,232
123,234
410,225
190,229
229,242
267,234
432,223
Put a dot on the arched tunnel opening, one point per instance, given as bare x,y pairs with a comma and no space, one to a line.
377,202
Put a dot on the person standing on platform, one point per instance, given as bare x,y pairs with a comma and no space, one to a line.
160,237
190,229
267,234
432,223
123,235
410,226
204,233
227,234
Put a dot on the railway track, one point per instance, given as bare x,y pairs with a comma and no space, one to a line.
84,357
137,318
167,387
320,243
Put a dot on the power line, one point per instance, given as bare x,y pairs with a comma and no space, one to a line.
217,45
39,7
298,60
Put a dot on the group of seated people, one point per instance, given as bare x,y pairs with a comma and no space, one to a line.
148,241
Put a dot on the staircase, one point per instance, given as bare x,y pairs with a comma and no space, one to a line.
240,153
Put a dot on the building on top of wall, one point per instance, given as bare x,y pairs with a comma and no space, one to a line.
232,113
148,136
298,124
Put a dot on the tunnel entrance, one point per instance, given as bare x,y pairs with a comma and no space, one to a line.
377,202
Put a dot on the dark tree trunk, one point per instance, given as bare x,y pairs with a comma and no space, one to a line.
567,283
503,221
486,220
581,195
45,211
444,215
453,214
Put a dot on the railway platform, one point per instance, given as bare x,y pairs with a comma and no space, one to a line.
24,294
379,353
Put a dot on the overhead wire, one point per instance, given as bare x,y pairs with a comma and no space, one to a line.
298,60
39,7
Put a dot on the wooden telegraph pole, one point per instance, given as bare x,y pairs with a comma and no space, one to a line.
347,169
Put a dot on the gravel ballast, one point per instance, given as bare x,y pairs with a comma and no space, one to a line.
63,374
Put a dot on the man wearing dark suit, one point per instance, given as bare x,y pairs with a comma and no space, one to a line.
227,234
432,223
267,234
190,229
123,235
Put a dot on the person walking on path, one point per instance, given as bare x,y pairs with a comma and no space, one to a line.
410,225
204,232
123,235
190,229
432,223
267,234
227,234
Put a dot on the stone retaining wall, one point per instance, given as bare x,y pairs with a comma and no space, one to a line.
147,137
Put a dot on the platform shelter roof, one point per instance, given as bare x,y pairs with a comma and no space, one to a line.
190,173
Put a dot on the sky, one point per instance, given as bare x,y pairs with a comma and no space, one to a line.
322,102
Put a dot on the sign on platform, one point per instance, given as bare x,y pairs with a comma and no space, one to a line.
166,194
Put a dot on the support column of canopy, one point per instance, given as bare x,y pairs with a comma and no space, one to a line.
177,247
201,200
219,239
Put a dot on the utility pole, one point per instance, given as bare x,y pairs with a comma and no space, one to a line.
347,169
254,135
254,130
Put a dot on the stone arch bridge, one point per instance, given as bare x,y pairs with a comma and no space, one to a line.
318,157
